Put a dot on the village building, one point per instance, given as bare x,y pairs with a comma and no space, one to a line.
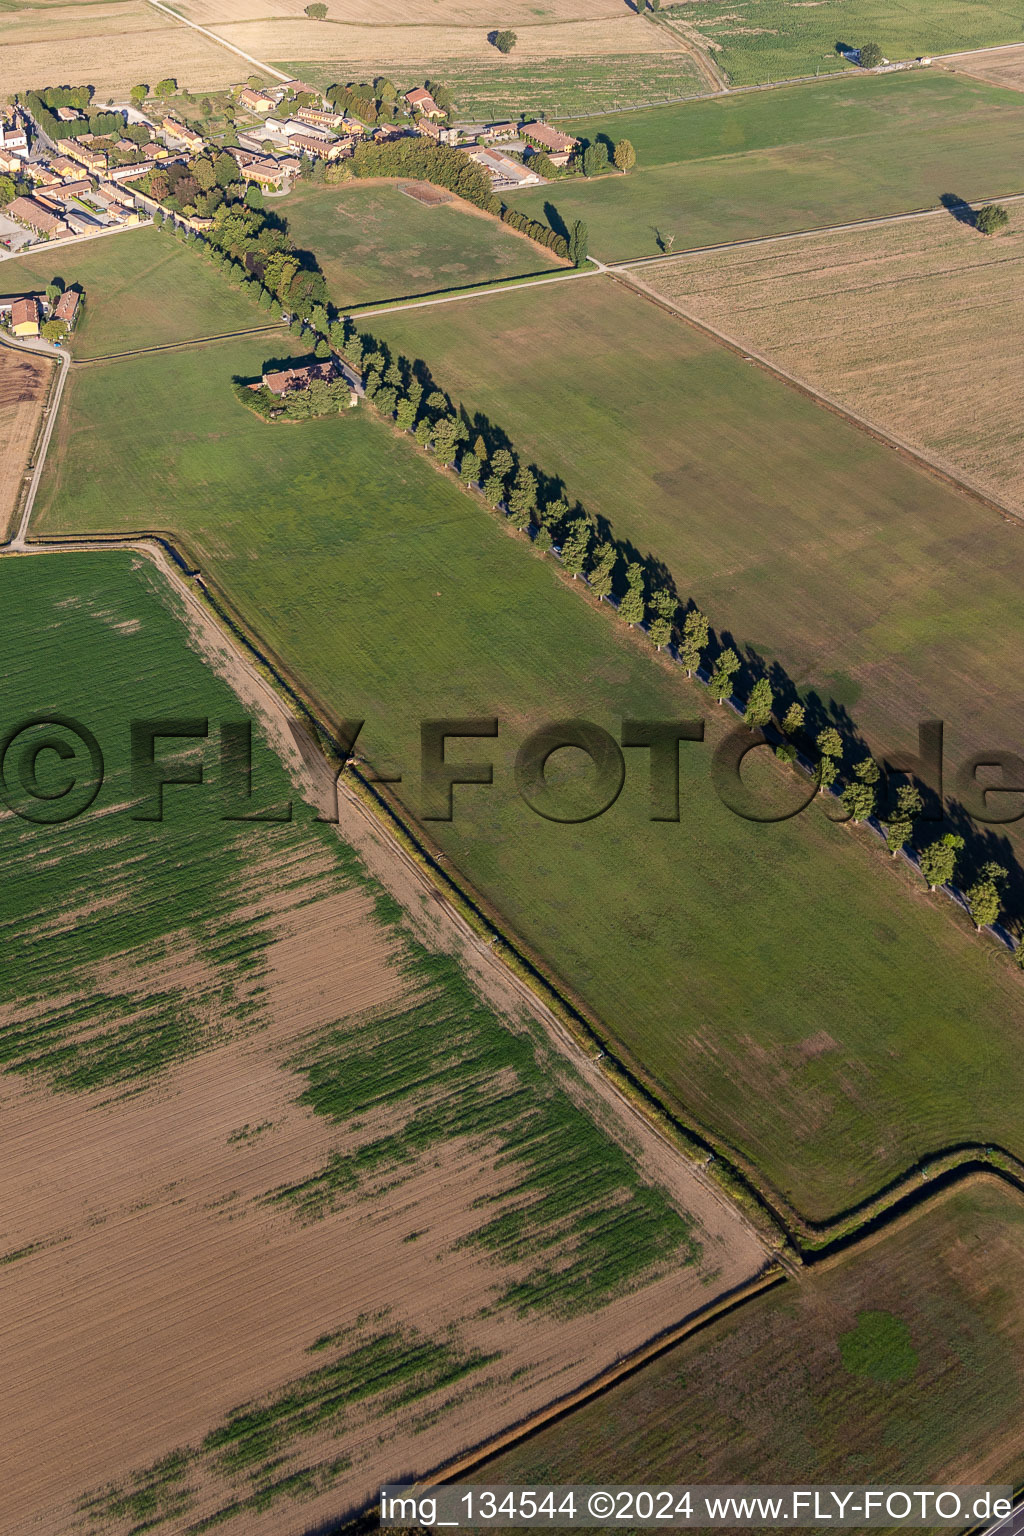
422,101
66,308
288,380
70,115
320,117
63,192
25,315
294,125
94,160
263,170
320,149
256,100
130,172
64,167
10,164
495,133
431,130
14,136
182,134
32,213
506,173
556,145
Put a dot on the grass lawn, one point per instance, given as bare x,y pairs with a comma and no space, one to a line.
141,289
832,1051
899,1365
735,168
509,87
765,40
881,596
375,242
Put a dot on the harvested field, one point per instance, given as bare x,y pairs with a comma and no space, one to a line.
775,1393
24,380
409,13
913,325
1004,68
112,49
340,1085
393,47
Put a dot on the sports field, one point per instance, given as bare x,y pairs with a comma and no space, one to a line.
374,241
239,1057
900,1363
759,40
912,325
831,1090
142,289
738,167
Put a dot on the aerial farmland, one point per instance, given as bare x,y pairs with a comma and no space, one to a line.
510,762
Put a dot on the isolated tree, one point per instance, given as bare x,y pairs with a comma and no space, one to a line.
991,219
726,667
165,87
576,547
793,720
759,705
695,638
859,799
602,572
317,11
595,158
53,330
871,56
253,197
624,156
579,243
909,802
983,898
504,41
54,289
898,832
138,94
938,860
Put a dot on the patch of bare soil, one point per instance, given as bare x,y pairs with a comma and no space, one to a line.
156,1286
24,380
1004,68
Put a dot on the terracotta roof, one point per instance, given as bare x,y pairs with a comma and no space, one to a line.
24,310
67,304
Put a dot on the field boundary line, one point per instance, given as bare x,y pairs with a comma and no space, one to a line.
267,69
906,450
176,346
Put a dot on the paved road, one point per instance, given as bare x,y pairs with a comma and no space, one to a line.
1011,1525
248,57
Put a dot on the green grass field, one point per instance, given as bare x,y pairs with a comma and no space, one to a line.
375,242
884,597
142,289
776,1393
554,86
761,164
832,1053
762,40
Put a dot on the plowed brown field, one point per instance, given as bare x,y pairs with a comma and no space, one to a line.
23,384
